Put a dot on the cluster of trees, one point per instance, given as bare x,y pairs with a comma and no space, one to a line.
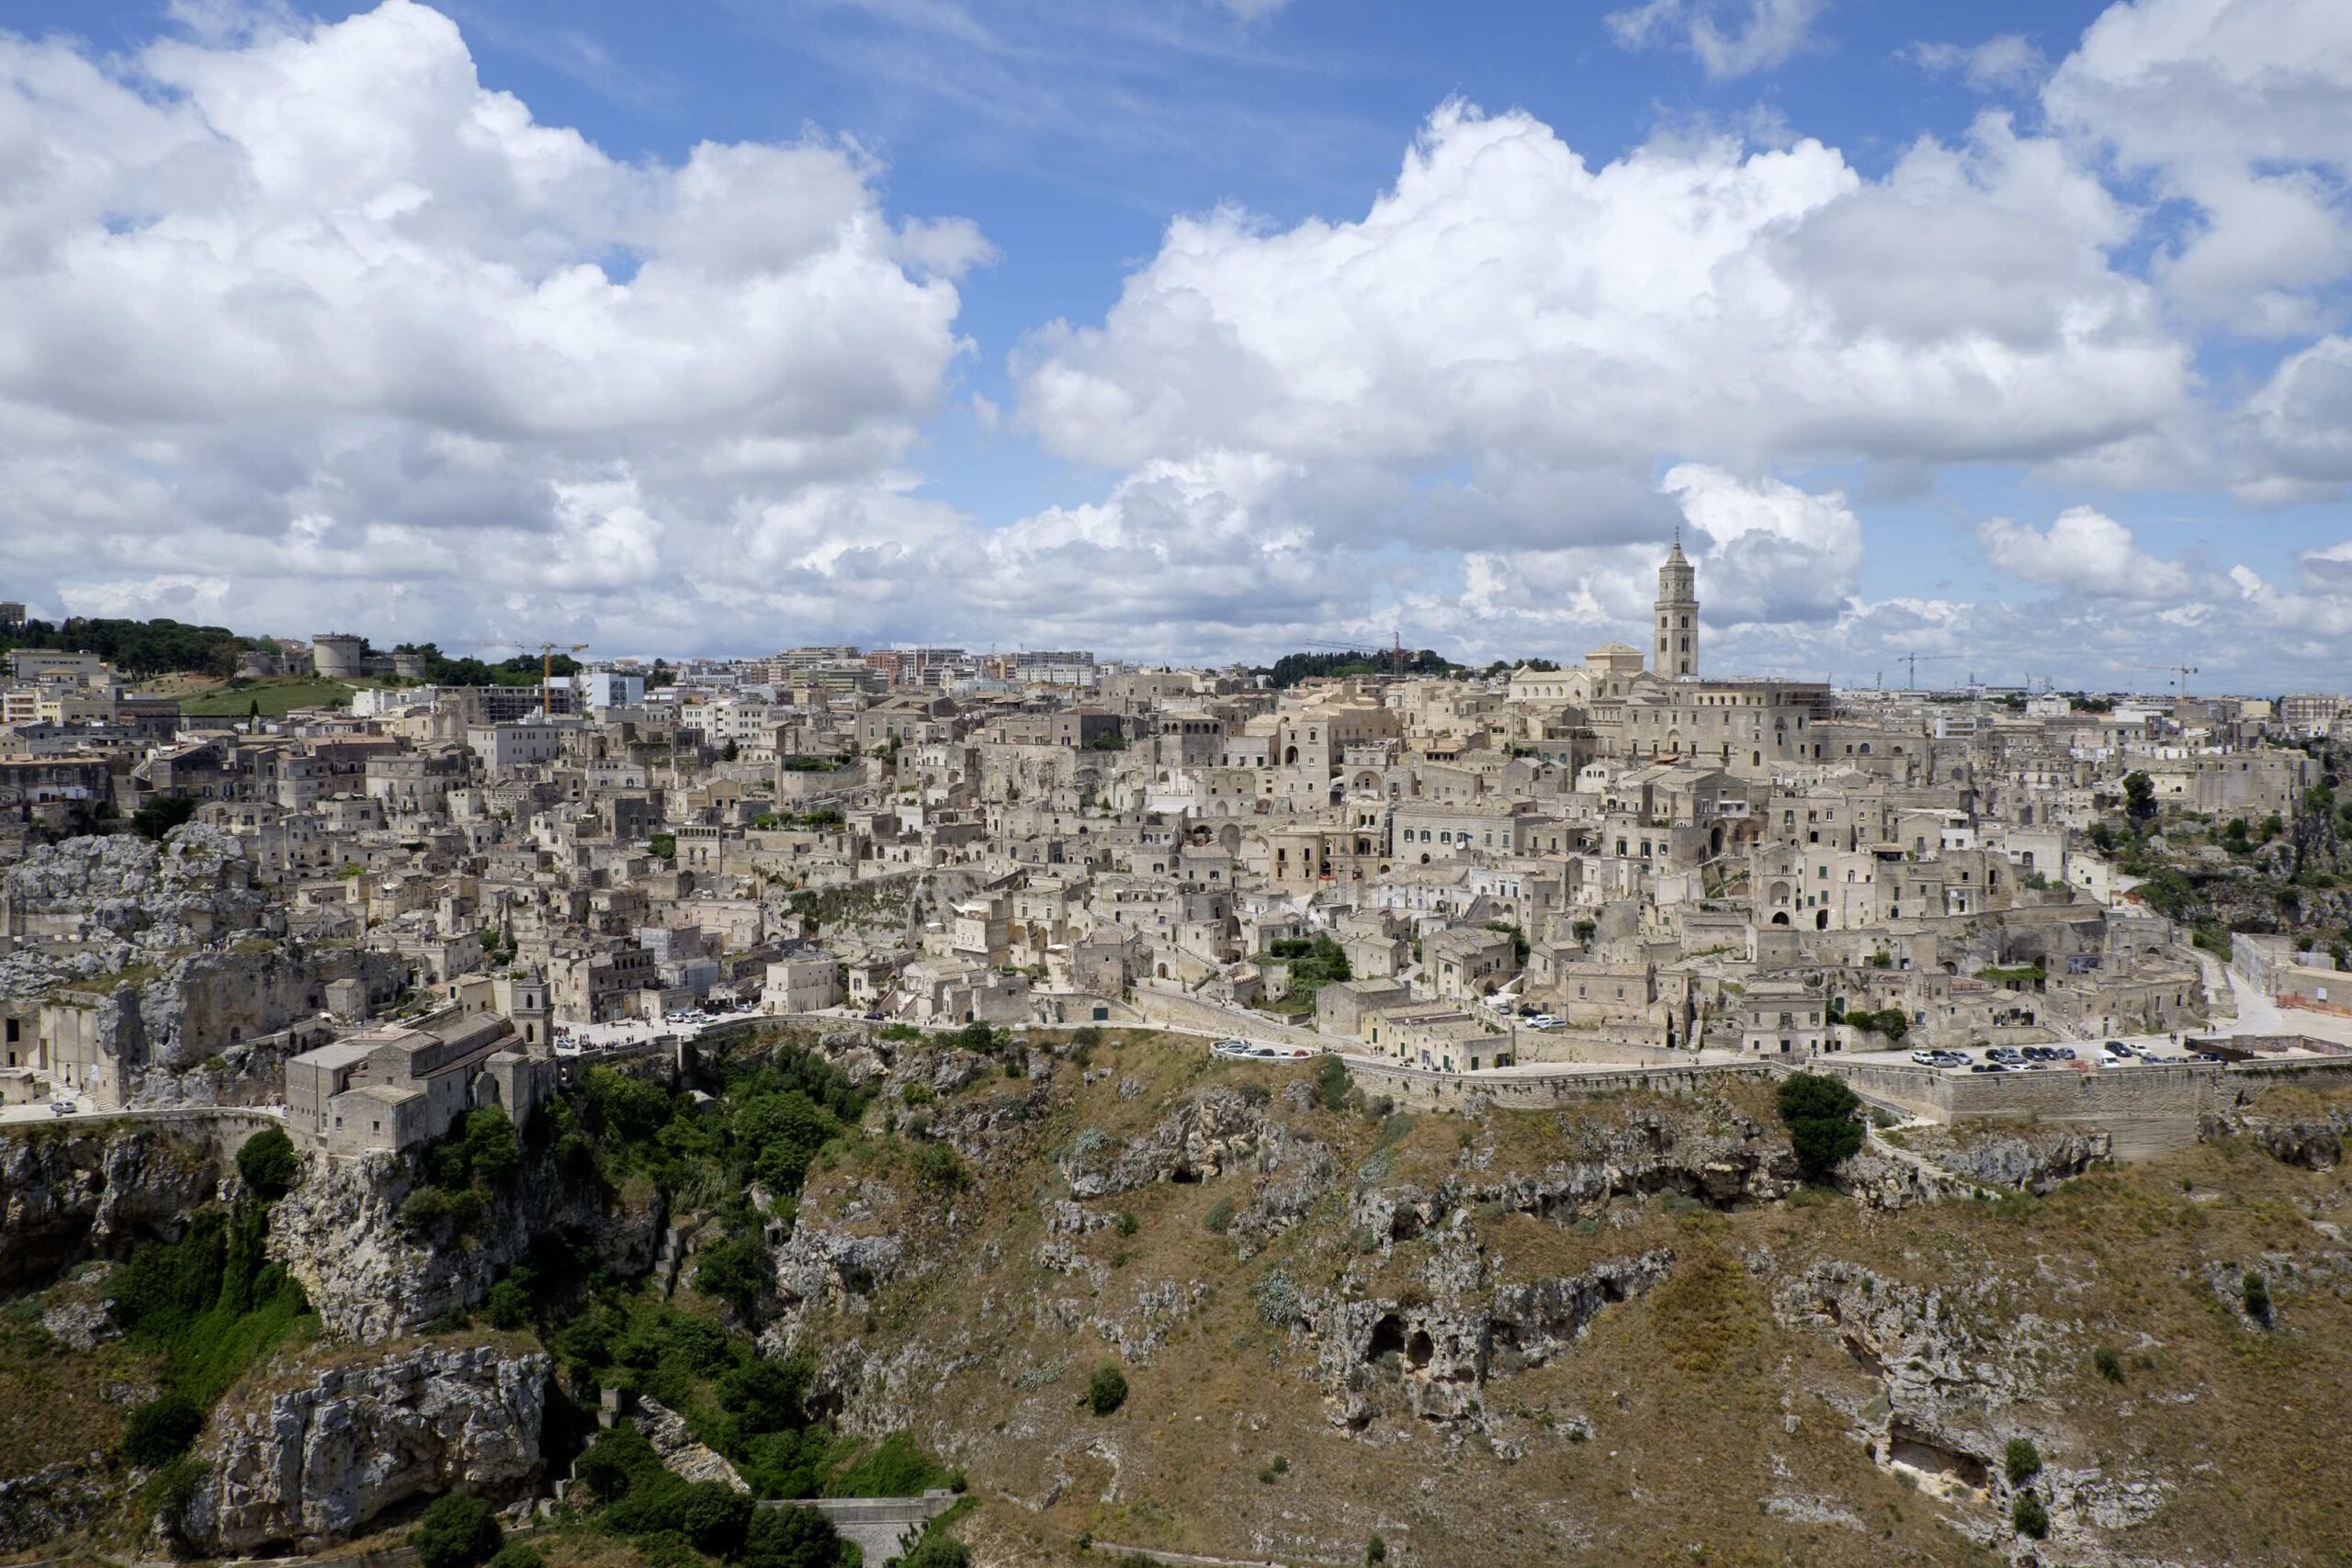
1292,668
1314,962
141,648
522,670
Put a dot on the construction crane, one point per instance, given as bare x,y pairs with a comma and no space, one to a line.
2181,673
547,651
1913,661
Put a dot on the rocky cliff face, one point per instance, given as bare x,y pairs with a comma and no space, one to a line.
2309,1135
119,897
317,1461
68,1194
340,1235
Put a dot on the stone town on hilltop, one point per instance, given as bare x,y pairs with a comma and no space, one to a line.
437,898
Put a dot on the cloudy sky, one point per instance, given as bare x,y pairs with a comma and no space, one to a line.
2015,332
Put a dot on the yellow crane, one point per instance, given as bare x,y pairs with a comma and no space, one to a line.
547,651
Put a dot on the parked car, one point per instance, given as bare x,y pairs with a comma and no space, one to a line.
60,1108
2007,1056
1229,1047
2121,1049
1951,1058
1927,1058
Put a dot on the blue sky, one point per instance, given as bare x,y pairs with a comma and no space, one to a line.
966,471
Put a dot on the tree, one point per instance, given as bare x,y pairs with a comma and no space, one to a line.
1824,1129
2021,1461
161,1430
790,1537
936,1551
161,815
457,1531
268,1162
2139,798
717,1518
1106,1390
2028,1517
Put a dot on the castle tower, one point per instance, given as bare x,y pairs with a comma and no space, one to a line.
1678,617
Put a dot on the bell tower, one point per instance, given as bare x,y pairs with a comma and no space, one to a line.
1678,617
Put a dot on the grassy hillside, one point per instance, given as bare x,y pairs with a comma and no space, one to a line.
277,695
1724,1416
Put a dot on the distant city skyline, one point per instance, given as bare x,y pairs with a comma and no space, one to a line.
2009,336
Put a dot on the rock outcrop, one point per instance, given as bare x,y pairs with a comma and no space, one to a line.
2032,1159
69,1193
317,1463
339,1235
1430,1351
2311,1136
53,1501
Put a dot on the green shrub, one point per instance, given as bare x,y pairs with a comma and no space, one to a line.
457,1531
515,1554
168,1492
1820,1112
1127,1225
936,1551
2255,1292
2108,1364
1331,1082
717,1517
2028,1516
161,1430
2021,1461
614,1463
1106,1390
938,1166
895,1468
1376,1550
1219,1218
268,1164
736,1270
791,1538
509,1307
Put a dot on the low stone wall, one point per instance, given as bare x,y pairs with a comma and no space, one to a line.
2149,1107
2305,1072
1190,1013
227,1126
883,1527
1537,1091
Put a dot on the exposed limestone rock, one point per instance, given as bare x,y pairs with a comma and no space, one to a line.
828,1270
2034,1159
1939,1385
1206,1133
1651,1155
1293,1172
69,1195
52,1501
666,1430
339,1235
1433,1352
2313,1139
319,1462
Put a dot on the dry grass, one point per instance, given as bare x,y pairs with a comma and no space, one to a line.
1691,1391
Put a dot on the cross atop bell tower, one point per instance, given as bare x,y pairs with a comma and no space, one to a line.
1678,616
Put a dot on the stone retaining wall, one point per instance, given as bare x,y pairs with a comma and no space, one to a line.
2149,1107
1518,1091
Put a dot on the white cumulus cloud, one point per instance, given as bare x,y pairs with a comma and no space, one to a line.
2084,551
309,304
